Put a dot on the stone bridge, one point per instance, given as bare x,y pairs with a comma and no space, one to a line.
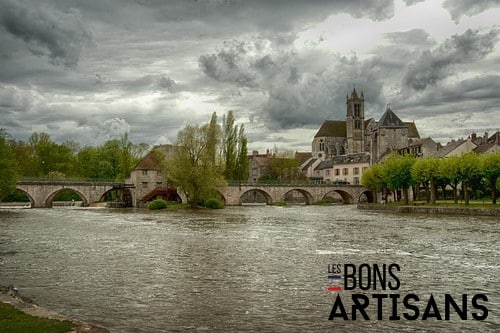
311,193
42,193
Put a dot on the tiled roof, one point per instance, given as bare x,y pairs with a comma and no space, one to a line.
450,146
389,119
332,128
412,130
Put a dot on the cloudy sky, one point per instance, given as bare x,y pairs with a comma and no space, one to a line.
92,70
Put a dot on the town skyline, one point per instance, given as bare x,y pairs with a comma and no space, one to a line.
91,71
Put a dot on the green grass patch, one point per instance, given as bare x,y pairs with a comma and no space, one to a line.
280,203
13,320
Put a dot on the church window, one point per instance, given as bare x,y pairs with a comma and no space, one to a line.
357,112
321,145
357,124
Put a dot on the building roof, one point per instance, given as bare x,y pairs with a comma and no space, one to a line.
151,162
412,129
326,164
332,128
450,146
309,163
389,119
303,156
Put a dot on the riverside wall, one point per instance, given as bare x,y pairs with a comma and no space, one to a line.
469,211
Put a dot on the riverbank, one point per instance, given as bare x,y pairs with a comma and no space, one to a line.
10,296
422,208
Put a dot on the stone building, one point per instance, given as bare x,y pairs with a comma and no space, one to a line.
342,149
149,181
356,134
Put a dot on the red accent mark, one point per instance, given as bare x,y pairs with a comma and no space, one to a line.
334,288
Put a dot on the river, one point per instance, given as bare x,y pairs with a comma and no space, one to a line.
250,269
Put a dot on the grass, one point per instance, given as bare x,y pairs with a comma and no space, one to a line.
13,320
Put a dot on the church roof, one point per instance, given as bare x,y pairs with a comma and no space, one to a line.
412,130
332,128
389,119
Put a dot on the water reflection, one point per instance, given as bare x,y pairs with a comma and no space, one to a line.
240,269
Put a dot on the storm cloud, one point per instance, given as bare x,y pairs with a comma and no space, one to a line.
435,65
89,70
47,31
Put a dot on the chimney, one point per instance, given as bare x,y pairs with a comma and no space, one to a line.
255,153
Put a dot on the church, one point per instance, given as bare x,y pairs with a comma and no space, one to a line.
339,143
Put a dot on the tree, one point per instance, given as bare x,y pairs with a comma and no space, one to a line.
448,168
397,172
426,171
229,146
8,166
490,168
285,167
373,178
468,170
242,163
192,168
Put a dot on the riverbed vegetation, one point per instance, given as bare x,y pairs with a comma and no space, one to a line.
13,320
464,179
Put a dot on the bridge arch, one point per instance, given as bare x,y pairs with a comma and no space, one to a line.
30,197
309,199
369,196
50,198
255,196
346,197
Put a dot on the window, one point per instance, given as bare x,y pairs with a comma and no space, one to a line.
337,172
356,180
345,171
357,112
356,171
321,145
357,124
144,172
328,172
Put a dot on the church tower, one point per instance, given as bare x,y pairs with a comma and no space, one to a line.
355,119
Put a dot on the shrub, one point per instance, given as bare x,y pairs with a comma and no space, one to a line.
213,203
323,202
157,204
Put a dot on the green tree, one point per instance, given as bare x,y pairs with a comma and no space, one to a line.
50,157
373,178
397,172
8,166
490,169
449,169
426,171
468,171
242,163
285,167
229,146
192,168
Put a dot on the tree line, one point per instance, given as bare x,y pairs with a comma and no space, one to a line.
470,173
42,158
